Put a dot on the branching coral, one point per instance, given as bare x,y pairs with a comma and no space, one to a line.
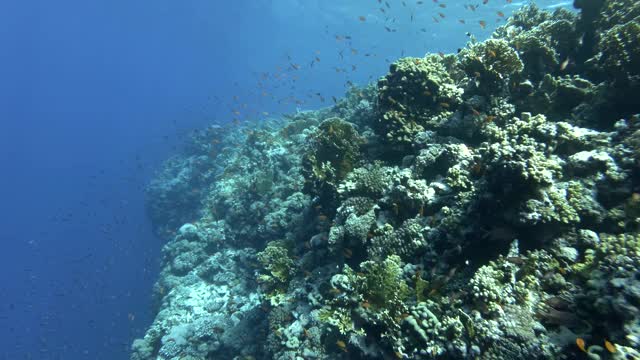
278,268
382,284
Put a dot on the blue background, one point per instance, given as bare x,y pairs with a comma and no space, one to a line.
95,94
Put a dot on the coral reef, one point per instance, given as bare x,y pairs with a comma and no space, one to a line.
490,64
278,269
480,205
415,93
332,153
619,54
212,309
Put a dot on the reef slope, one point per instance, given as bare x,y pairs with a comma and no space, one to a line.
482,205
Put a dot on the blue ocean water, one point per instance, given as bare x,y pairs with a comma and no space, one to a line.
95,94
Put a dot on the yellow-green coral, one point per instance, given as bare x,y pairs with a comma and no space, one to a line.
340,318
277,265
333,153
381,283
421,286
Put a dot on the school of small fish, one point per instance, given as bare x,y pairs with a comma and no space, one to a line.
391,17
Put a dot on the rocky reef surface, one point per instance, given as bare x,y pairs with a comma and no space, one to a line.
482,205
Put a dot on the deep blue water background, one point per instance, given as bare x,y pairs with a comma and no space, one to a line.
95,94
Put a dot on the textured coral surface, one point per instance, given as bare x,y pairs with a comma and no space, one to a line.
484,205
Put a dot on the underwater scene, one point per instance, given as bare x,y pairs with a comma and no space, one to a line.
478,204
316,180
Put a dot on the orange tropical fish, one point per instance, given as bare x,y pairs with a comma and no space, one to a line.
342,345
483,24
610,346
580,343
